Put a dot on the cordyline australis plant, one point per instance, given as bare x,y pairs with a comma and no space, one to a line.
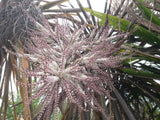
71,66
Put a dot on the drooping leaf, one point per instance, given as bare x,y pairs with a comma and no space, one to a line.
7,76
14,108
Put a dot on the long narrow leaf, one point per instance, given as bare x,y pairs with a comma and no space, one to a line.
113,20
139,73
24,90
124,105
148,13
64,10
52,4
6,87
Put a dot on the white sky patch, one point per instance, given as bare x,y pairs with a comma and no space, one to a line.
96,4
157,81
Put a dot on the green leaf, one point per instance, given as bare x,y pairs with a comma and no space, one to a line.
147,13
139,73
143,33
151,69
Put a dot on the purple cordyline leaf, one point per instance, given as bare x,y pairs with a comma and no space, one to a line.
71,65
